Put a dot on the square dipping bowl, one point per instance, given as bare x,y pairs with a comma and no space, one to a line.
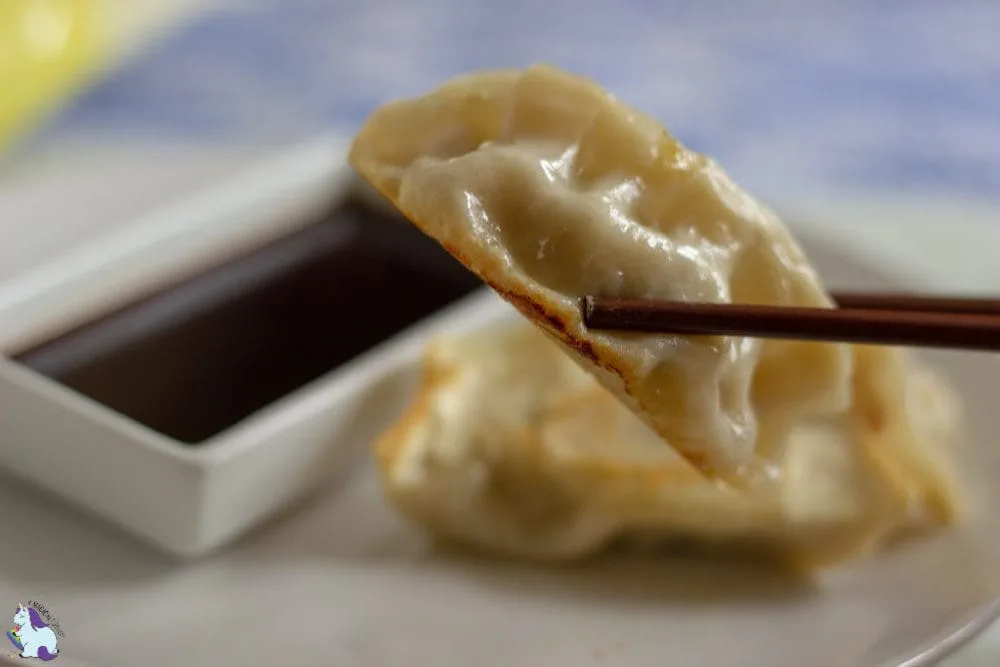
191,376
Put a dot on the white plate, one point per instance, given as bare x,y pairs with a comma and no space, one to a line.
344,581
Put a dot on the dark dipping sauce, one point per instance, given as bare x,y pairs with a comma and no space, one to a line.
199,356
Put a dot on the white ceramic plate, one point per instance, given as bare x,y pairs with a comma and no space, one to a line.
344,581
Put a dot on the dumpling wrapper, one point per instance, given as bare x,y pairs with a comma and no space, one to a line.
550,189
509,446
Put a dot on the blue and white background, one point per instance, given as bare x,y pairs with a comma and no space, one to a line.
900,95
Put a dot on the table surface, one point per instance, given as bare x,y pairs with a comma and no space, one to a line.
895,104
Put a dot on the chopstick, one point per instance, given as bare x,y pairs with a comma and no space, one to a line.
874,319
916,302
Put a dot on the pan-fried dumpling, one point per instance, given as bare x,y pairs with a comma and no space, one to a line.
509,446
550,189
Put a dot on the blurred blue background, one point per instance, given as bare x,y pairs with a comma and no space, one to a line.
885,95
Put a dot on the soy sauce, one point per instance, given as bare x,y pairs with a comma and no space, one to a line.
203,354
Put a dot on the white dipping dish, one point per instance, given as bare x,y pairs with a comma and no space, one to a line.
184,499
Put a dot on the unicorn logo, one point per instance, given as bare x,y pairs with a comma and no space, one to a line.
31,635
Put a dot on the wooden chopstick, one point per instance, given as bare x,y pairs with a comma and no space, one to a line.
916,302
919,326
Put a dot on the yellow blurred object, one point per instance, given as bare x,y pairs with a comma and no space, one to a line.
48,50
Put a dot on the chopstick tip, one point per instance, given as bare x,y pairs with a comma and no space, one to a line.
589,303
